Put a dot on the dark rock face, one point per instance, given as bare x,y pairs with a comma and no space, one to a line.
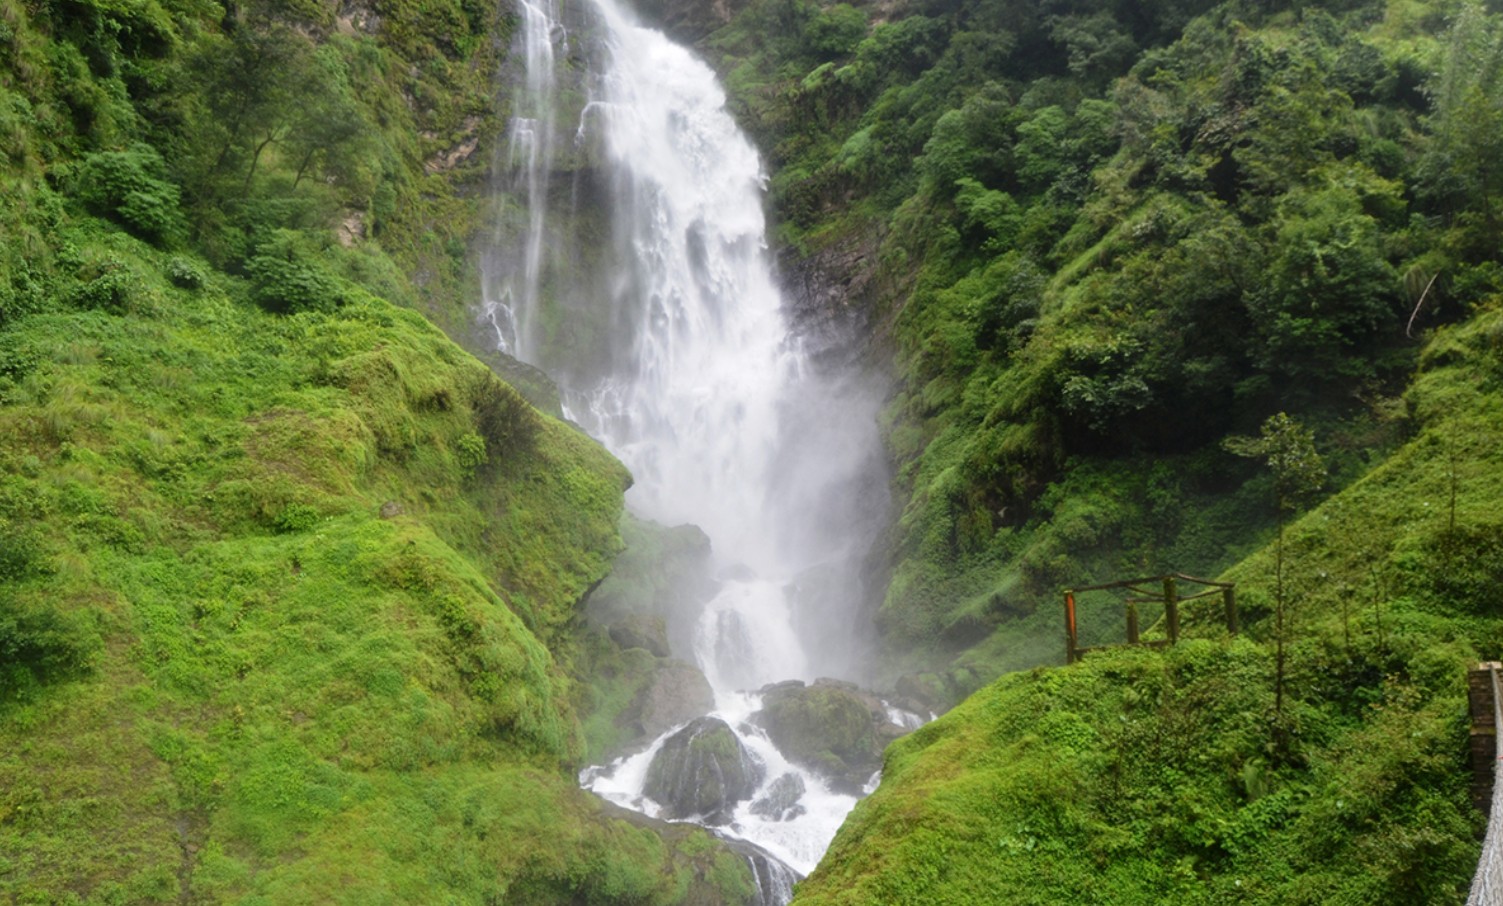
831,727
657,586
647,631
774,878
702,770
831,297
782,800
924,692
689,21
676,693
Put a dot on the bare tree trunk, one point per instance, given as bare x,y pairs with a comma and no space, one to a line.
302,168
1278,620
271,136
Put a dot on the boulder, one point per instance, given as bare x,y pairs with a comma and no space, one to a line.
774,877
831,727
702,771
924,692
637,630
662,578
677,692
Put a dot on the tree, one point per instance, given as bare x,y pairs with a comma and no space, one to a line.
1298,472
1464,164
1328,290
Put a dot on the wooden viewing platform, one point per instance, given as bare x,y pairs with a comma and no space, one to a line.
1165,590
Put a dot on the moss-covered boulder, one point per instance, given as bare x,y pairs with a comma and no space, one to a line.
630,697
702,770
646,631
831,727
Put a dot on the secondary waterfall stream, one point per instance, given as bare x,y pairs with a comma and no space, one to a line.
643,285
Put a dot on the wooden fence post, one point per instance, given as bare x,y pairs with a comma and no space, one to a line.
1132,623
1171,609
1229,598
1483,742
1071,641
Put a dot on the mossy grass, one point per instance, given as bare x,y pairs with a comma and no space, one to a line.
1143,776
307,581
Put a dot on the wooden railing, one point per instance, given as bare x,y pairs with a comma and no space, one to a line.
1165,590
1487,759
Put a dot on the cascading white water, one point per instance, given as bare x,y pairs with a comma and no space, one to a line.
689,372
798,842
695,412
530,151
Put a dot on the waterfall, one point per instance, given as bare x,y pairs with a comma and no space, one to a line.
529,157
644,287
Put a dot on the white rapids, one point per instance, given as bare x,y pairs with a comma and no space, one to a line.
798,843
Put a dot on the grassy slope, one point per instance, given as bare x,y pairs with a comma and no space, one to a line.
1147,777
285,697
224,675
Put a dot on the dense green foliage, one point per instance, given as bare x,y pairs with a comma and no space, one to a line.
1103,239
289,583
256,133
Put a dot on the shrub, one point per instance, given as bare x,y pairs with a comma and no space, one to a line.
39,645
1463,569
470,451
112,290
504,421
296,517
185,274
286,278
132,187
836,31
20,554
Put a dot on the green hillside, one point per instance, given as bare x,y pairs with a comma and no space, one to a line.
285,611
1140,776
288,581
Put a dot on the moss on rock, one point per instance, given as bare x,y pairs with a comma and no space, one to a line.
702,771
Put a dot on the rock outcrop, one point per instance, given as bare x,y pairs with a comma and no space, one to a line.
831,727
689,21
702,771
676,693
